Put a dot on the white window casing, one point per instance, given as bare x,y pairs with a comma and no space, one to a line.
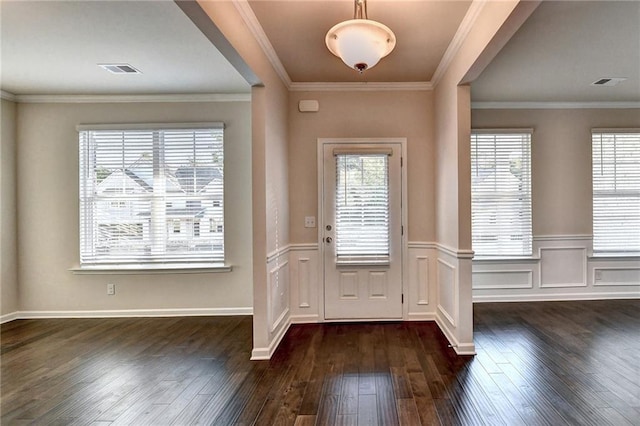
145,190
501,193
616,191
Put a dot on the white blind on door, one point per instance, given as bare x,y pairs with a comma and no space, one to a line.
362,207
501,193
616,191
151,196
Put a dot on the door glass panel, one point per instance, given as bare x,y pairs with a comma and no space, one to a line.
362,208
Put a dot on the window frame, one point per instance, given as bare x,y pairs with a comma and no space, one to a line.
632,192
161,263
527,220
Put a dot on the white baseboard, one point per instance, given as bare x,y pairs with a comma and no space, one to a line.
263,354
460,348
554,297
421,316
9,317
132,313
305,319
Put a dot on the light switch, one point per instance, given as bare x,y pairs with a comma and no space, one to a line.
309,221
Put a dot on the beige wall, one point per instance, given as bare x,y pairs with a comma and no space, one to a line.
8,247
364,115
47,181
561,160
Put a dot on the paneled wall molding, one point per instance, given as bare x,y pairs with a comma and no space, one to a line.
447,291
554,105
303,246
565,270
457,253
422,245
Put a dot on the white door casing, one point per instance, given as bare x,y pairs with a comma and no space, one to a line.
361,227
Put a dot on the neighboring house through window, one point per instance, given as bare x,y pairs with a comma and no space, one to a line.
501,193
144,191
616,191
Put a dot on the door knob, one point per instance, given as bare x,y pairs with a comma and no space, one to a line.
328,240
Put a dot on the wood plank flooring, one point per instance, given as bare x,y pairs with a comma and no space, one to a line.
551,363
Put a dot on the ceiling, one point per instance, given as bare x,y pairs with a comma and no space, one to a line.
53,47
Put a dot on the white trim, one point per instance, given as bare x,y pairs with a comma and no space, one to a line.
553,297
616,130
502,131
373,86
575,237
422,245
583,282
459,254
9,317
421,316
7,96
458,39
150,126
250,19
460,349
303,246
148,270
555,105
453,320
278,253
305,319
258,354
101,99
529,272
600,283
135,313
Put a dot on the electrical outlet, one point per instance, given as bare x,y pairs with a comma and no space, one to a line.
111,289
598,274
309,221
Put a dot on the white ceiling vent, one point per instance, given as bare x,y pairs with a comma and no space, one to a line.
608,81
119,68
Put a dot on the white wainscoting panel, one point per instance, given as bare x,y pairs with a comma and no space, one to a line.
447,291
564,270
278,290
615,276
420,287
562,267
495,279
303,261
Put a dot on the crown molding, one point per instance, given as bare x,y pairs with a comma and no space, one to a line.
555,105
457,40
360,87
249,18
7,96
98,99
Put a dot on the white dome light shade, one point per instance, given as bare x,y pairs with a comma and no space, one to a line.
360,43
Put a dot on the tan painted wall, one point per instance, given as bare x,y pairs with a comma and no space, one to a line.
8,247
362,114
561,160
48,204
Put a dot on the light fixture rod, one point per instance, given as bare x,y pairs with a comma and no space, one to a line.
360,9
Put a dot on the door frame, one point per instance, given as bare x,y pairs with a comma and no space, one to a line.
403,215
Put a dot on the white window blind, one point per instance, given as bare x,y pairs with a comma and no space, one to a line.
362,207
616,191
149,197
501,193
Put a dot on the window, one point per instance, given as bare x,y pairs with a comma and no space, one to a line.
163,181
501,193
616,191
362,207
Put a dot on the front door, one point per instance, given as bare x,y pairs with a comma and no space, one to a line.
362,230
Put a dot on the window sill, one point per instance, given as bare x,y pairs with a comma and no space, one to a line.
615,256
512,259
150,269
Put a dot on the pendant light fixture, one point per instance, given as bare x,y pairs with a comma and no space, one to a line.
360,42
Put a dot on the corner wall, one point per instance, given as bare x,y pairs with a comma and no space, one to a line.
563,267
9,303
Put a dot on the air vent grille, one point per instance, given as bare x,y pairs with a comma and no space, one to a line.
120,68
608,81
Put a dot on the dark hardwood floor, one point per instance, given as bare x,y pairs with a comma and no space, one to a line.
551,363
